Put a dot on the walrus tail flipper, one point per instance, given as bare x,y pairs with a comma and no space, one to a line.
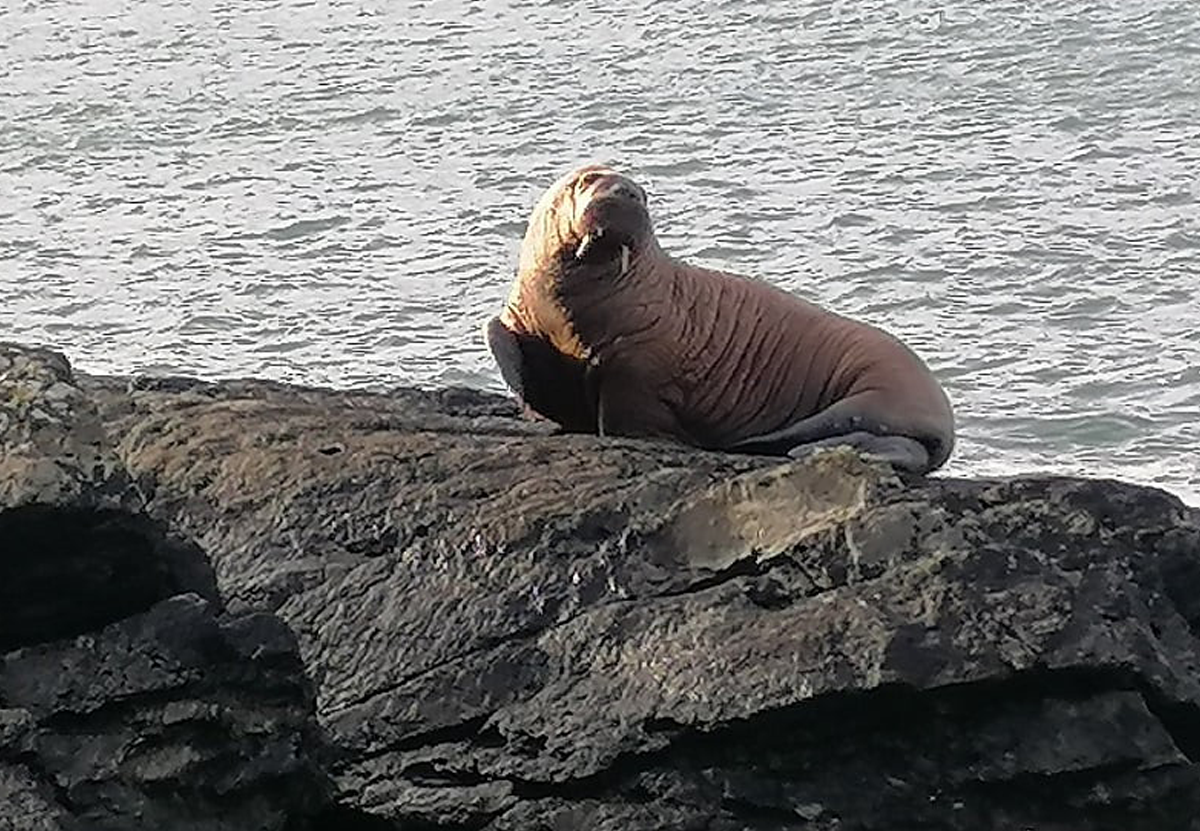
547,381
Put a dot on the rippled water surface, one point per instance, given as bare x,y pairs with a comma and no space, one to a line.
334,192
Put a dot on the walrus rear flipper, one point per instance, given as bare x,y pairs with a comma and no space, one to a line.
843,424
548,382
898,451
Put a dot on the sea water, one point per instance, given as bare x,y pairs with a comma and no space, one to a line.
335,192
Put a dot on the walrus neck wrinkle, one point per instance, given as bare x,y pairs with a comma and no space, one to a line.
672,273
601,302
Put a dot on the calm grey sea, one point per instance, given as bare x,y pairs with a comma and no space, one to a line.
334,192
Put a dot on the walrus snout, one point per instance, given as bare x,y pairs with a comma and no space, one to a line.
610,216
598,247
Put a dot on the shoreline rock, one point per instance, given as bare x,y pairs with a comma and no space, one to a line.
127,697
503,628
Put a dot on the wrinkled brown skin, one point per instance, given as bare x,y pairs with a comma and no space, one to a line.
603,332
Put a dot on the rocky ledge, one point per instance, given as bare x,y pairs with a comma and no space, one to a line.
250,605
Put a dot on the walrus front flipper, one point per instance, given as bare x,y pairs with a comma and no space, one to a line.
900,452
506,349
629,405
548,382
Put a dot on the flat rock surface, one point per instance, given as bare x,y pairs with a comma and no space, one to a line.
504,628
514,629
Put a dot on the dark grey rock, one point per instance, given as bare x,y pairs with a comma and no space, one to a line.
76,549
128,700
511,629
172,718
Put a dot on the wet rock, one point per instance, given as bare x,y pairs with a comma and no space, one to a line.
128,699
76,549
435,614
173,718
514,629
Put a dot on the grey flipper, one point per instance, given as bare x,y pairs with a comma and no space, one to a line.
843,423
506,349
548,382
900,452
837,419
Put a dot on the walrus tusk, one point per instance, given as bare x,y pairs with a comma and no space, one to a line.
589,239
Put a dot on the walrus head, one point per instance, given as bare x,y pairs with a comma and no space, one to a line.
593,215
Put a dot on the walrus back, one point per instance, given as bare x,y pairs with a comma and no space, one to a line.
756,359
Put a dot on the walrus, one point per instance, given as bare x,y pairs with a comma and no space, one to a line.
604,332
